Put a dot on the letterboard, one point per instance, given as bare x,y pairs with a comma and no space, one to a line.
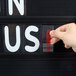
25,40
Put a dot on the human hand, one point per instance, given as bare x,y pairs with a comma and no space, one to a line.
66,33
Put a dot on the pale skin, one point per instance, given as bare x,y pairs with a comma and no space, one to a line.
66,33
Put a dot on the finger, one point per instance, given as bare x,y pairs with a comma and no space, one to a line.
59,32
52,34
66,46
64,28
54,40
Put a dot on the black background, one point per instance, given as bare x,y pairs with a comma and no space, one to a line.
51,12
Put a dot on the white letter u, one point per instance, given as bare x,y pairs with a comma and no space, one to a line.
7,43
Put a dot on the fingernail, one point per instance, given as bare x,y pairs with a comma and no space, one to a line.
52,32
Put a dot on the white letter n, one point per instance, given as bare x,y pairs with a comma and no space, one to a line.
20,6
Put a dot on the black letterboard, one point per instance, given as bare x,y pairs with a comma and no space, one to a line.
25,40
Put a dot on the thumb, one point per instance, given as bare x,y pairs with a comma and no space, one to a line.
58,34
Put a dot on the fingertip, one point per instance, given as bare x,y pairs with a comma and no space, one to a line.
66,46
53,41
52,32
